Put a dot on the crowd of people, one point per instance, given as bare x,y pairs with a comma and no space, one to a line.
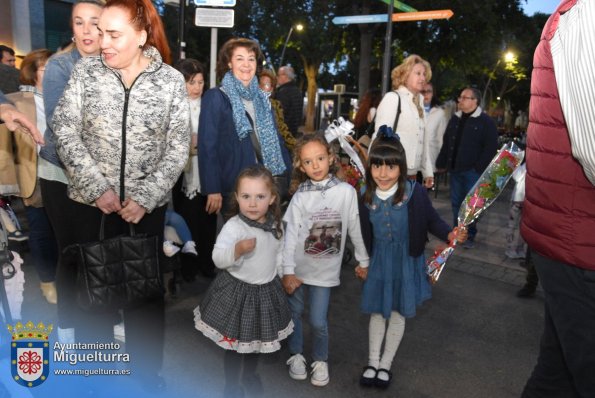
104,133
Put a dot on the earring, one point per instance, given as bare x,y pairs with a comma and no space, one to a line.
140,46
73,40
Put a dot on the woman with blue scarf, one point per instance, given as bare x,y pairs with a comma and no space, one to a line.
236,127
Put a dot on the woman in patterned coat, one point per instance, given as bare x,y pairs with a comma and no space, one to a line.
123,136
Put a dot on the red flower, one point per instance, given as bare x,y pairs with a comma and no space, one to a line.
507,155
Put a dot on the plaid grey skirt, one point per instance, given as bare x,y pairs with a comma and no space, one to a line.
243,317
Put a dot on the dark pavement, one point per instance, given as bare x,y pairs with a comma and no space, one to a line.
474,338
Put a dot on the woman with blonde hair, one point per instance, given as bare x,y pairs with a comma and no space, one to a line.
402,109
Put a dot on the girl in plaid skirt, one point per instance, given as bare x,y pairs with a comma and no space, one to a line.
245,308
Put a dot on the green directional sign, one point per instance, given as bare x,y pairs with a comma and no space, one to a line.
401,6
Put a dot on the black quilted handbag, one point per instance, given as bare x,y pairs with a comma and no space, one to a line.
115,273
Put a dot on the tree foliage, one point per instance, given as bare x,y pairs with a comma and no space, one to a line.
464,50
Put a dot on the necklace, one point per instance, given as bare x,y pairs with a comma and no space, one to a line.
195,104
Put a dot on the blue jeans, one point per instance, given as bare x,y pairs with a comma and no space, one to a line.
42,243
319,300
460,184
176,221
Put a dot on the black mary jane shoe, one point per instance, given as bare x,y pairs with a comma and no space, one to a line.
383,384
368,381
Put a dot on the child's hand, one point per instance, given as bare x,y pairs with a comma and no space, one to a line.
290,283
361,272
460,234
244,246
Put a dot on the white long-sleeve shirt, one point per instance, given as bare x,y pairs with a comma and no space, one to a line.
317,224
573,54
257,267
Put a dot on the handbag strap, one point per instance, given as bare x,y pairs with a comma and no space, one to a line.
398,114
102,228
254,139
370,128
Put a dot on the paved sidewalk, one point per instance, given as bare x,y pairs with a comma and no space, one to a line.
474,338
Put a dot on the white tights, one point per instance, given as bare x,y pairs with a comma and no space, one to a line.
377,332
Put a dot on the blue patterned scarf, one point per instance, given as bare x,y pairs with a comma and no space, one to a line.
266,131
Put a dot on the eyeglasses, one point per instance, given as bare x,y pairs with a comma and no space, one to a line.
427,91
462,97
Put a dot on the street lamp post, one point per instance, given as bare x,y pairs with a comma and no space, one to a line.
299,28
387,54
182,28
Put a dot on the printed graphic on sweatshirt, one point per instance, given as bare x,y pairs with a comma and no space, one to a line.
324,239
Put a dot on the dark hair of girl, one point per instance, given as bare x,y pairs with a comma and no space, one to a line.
390,152
298,176
258,171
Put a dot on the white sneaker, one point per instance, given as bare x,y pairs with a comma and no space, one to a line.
169,248
297,367
514,254
320,376
119,332
17,236
190,248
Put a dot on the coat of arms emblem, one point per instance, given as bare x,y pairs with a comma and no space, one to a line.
30,353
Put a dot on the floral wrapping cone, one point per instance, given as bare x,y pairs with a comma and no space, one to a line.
485,191
354,172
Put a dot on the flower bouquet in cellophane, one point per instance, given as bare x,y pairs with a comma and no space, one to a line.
353,172
485,191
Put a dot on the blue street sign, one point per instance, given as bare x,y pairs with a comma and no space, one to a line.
373,18
215,3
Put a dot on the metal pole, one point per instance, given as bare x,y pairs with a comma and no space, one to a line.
182,28
387,54
213,77
285,46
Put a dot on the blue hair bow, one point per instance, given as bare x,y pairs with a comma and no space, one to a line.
387,132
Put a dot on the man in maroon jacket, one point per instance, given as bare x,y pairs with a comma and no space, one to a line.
559,213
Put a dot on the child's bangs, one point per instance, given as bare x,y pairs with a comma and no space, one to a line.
383,156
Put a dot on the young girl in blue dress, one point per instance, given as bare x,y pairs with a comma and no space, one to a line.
400,215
